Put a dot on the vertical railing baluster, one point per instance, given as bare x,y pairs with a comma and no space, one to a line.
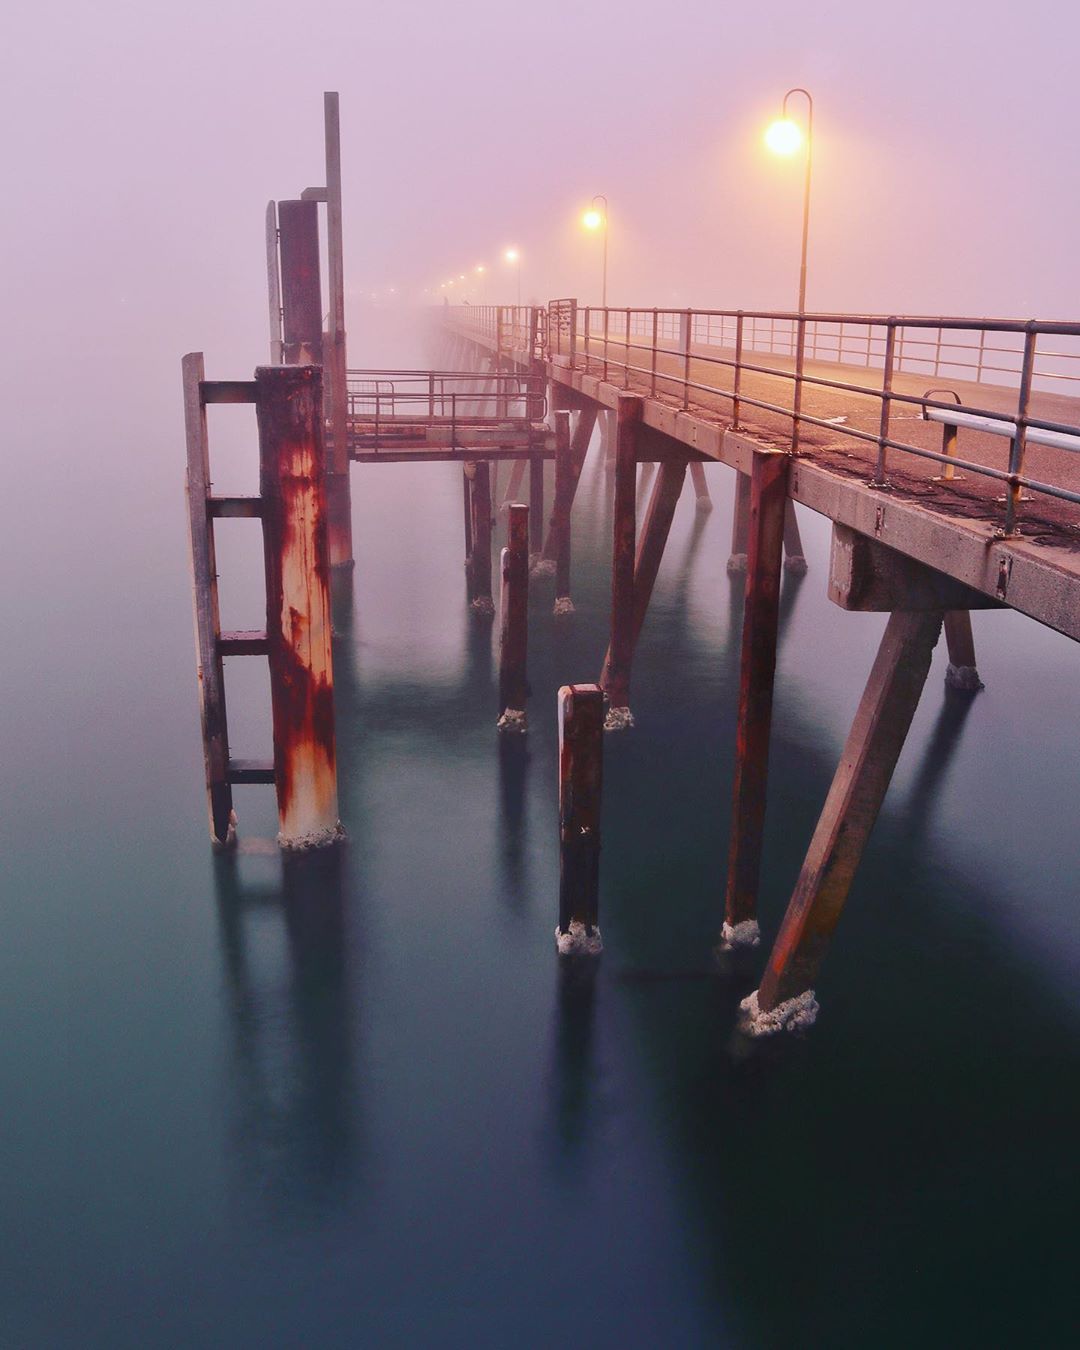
652,382
737,384
1018,447
800,360
880,478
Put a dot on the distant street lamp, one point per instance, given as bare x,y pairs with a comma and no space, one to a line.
513,257
783,138
598,220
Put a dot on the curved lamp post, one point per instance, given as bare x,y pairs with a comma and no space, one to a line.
783,138
598,220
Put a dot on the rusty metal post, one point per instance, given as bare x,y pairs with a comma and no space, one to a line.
654,535
204,577
565,483
480,570
581,766
701,488
616,680
514,615
761,616
961,673
785,998
301,288
740,524
296,554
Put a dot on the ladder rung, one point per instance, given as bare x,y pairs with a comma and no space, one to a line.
247,507
250,771
227,391
243,642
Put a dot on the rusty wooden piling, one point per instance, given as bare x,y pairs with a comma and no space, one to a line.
204,576
616,676
740,524
581,764
701,487
565,482
514,621
761,614
579,448
336,358
296,554
785,997
480,556
961,673
536,508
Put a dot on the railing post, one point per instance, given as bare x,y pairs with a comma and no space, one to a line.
565,483
652,377
573,332
737,384
686,323
297,562
514,621
606,322
982,348
626,353
880,478
581,763
800,358
588,314
1018,447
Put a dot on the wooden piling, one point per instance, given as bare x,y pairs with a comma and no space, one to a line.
961,673
514,617
536,508
794,559
740,524
480,567
616,678
761,613
701,487
204,576
786,995
336,358
565,482
297,562
579,448
581,763
517,477
301,292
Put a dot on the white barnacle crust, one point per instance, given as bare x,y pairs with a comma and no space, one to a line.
304,843
796,564
736,563
793,1014
734,936
963,678
513,719
483,604
618,719
563,605
542,567
578,941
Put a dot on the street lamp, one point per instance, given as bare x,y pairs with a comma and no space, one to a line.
513,257
598,220
783,138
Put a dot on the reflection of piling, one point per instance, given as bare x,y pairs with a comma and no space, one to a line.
514,611
298,603
581,762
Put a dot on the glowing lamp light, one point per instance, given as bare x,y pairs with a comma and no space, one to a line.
480,269
592,219
783,137
511,255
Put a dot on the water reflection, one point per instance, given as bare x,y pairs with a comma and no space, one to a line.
573,1070
513,751
285,952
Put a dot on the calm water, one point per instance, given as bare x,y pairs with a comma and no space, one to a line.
357,1102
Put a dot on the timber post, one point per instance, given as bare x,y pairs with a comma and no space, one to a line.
204,576
467,471
337,486
579,448
536,509
301,291
514,621
581,764
785,998
761,615
961,674
616,676
740,524
480,557
296,554
701,487
565,483
794,558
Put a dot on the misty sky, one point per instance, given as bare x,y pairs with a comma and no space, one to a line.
144,141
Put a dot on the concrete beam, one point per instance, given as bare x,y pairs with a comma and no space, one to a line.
869,577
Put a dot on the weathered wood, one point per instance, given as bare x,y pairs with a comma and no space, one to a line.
480,570
579,448
244,642
761,614
961,673
581,764
338,487
514,614
536,506
251,771
228,391
616,679
301,290
297,563
273,285
701,487
858,789
560,515
235,508
467,471
740,524
794,559
210,670
517,477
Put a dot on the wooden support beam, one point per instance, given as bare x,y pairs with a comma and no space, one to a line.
467,472
761,616
296,553
786,995
244,642
514,614
961,673
581,767
480,570
579,448
211,672
701,488
740,524
794,558
565,483
517,477
616,678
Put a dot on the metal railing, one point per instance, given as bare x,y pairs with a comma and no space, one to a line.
384,402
